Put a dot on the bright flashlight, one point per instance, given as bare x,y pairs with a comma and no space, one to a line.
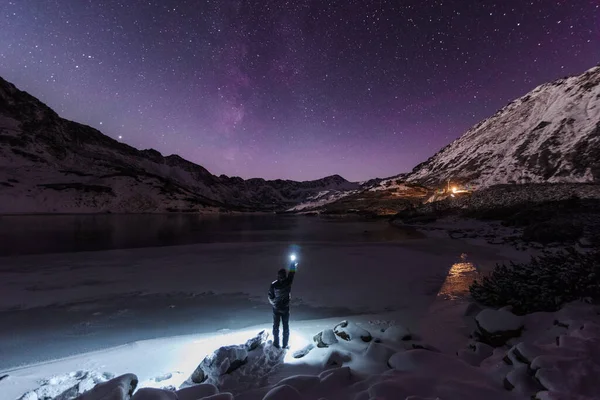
293,257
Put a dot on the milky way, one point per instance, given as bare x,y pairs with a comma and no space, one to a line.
291,89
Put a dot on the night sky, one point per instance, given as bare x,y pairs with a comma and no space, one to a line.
292,89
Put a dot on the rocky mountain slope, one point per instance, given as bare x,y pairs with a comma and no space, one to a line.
550,135
49,164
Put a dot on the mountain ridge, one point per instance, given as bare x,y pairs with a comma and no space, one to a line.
43,156
553,112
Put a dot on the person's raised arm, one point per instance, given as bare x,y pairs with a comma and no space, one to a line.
292,272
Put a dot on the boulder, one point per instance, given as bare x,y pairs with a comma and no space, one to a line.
348,331
496,327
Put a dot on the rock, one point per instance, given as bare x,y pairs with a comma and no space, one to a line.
325,338
303,351
197,392
396,333
283,392
119,388
496,327
255,342
154,394
224,360
457,234
349,331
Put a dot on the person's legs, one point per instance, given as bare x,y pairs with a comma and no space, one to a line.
285,319
276,320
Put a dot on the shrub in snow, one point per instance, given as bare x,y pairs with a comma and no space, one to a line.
325,338
496,327
197,392
544,284
283,392
396,333
349,331
154,394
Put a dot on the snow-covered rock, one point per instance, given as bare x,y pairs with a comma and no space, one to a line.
325,338
154,394
346,330
551,134
301,383
283,392
67,386
197,392
396,333
119,388
379,353
224,360
496,327
220,396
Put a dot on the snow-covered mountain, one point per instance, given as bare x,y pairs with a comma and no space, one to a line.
552,134
49,164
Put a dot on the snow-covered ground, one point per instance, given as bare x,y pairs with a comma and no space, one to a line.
159,311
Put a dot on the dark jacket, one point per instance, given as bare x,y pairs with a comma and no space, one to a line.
279,292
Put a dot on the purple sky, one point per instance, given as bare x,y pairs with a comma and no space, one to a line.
295,89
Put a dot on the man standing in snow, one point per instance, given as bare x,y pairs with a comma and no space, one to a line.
279,297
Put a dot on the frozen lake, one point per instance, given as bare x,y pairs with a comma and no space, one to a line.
156,276
38,234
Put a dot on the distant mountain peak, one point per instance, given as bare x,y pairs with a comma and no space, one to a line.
551,134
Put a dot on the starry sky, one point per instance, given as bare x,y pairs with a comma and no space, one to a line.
296,89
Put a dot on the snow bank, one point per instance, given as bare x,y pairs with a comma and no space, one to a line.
557,355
